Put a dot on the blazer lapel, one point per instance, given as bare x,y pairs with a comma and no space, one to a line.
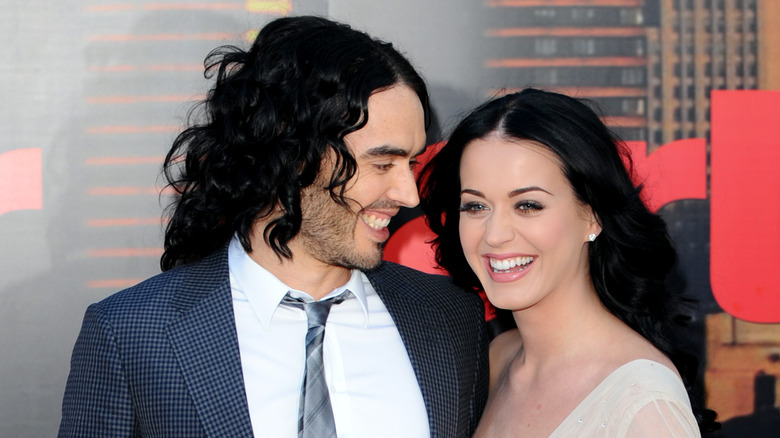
427,343
205,343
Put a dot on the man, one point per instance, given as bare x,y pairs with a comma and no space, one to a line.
304,154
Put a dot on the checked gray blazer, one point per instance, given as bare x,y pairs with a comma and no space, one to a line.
161,358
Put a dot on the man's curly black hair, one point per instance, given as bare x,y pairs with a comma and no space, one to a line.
273,114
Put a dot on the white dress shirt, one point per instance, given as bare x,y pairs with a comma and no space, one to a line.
373,388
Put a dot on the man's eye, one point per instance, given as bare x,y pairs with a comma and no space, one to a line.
383,166
413,164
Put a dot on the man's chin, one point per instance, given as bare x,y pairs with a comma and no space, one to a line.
366,262
373,267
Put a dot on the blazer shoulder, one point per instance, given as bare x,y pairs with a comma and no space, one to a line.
397,272
434,287
203,275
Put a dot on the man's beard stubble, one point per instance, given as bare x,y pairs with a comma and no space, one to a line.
328,231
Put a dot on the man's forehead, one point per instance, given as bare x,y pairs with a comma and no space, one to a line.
394,127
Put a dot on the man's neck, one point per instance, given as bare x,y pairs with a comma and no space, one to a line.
302,272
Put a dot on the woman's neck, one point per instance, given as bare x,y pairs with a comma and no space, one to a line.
563,327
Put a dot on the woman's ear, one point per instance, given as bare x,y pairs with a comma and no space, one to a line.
594,227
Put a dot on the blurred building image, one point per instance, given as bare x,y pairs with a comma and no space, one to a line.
650,64
699,46
591,49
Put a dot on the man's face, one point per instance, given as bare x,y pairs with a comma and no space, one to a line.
385,150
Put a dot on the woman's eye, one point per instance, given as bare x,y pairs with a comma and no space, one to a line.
472,207
528,206
413,164
383,166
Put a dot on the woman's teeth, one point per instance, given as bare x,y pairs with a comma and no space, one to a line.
375,222
507,264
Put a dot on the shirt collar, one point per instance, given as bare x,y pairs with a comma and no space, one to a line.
264,291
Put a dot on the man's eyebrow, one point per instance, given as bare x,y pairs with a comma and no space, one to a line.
385,151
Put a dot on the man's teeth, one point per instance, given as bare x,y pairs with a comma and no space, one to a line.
375,222
507,264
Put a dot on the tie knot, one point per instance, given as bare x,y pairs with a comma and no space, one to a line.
316,311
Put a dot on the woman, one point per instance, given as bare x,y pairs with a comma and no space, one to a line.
531,202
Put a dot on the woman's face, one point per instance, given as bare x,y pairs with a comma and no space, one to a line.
522,229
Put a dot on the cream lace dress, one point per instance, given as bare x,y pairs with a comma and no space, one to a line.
641,399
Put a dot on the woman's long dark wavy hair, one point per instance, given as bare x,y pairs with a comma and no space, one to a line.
632,257
273,114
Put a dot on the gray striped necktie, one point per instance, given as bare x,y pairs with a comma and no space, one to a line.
315,415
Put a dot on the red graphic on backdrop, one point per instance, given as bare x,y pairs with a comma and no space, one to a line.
21,180
409,246
745,204
675,171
